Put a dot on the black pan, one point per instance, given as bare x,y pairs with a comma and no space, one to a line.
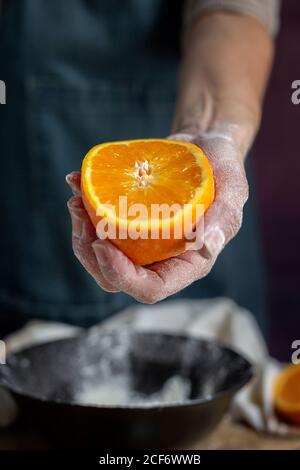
45,380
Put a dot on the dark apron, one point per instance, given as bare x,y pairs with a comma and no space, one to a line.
80,72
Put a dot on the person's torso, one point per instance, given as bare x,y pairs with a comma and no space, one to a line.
78,72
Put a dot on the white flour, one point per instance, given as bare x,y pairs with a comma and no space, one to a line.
116,391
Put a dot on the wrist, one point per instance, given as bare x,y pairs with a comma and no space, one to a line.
239,121
219,117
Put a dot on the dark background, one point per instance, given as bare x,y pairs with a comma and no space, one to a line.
277,169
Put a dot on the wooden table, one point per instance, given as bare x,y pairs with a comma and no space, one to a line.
228,435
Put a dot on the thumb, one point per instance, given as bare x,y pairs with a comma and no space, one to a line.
181,136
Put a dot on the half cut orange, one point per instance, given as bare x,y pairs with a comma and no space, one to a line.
287,393
149,188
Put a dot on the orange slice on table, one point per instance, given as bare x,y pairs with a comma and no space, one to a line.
147,172
287,393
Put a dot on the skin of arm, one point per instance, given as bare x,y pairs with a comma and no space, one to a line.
225,66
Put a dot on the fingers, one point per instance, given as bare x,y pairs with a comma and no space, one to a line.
150,285
73,179
83,235
226,213
137,281
222,222
224,218
181,271
182,136
114,271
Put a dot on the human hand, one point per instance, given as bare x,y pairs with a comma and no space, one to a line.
114,271
223,219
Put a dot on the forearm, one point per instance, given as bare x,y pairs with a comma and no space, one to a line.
225,67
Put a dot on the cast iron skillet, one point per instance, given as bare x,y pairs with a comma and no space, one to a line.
44,380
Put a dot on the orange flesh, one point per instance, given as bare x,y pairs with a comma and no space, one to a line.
291,390
146,175
287,393
150,171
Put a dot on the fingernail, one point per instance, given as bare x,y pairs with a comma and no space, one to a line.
72,181
69,179
214,241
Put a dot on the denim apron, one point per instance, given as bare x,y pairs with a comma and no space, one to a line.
80,72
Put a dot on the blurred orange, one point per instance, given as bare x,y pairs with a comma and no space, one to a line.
287,393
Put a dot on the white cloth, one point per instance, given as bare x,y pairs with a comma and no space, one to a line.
219,319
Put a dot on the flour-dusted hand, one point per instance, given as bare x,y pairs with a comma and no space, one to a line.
114,271
225,64
84,234
224,218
